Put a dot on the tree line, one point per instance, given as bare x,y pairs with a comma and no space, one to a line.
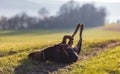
68,16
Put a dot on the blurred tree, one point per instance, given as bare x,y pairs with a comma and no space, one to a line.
92,16
44,13
3,21
68,7
67,14
71,13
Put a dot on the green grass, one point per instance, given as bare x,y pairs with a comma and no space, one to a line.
16,45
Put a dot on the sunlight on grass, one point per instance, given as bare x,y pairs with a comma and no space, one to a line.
16,45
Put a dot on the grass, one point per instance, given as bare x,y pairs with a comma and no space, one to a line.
107,62
16,45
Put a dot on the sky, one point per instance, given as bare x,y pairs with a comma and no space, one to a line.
12,7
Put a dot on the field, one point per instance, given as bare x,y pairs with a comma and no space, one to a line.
100,52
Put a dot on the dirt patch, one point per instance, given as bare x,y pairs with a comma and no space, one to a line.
98,48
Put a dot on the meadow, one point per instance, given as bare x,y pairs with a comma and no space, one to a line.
16,45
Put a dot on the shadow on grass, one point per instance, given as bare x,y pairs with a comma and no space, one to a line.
33,67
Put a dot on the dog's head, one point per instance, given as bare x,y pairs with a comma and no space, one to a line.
36,56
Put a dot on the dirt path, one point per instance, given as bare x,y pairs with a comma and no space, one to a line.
98,48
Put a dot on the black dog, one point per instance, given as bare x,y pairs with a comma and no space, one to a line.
63,52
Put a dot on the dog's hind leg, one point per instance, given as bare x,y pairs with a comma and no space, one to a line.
77,48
